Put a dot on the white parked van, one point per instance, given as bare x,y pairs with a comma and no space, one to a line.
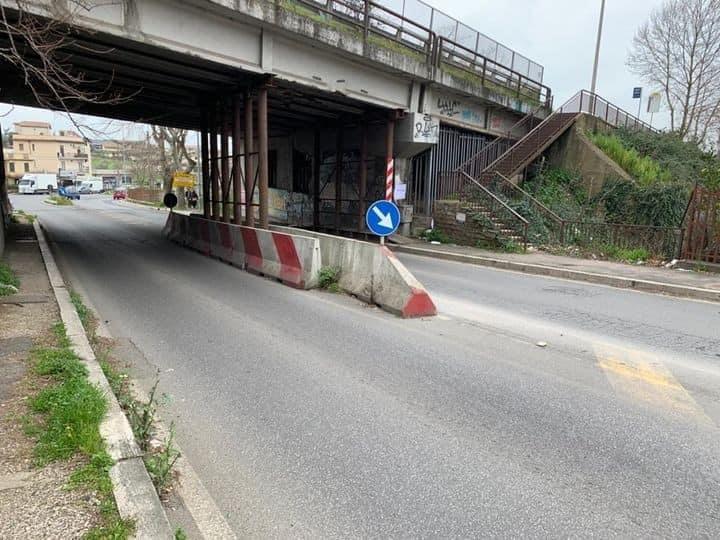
90,184
37,183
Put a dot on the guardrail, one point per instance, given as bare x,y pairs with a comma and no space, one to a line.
491,74
480,161
587,102
475,197
552,223
381,26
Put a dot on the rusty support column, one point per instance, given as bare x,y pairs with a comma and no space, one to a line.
205,166
362,188
338,176
225,165
316,181
390,158
237,150
263,156
214,173
249,169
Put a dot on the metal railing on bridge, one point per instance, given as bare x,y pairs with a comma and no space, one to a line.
441,42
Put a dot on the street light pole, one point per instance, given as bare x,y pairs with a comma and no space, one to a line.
597,47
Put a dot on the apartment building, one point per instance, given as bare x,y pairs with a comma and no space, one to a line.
36,149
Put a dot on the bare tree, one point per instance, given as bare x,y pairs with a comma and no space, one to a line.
173,154
678,50
144,163
38,48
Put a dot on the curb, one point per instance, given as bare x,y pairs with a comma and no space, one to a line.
647,286
134,492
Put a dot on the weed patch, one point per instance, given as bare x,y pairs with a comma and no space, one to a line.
328,278
9,282
436,235
82,311
68,412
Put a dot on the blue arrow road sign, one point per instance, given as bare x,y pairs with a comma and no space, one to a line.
383,218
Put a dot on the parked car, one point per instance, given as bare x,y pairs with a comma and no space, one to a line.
69,192
119,194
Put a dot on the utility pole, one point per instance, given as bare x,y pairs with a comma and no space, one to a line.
597,47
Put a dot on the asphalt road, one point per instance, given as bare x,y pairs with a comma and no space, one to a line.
310,415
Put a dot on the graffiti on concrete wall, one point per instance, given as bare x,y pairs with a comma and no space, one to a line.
448,107
426,129
459,111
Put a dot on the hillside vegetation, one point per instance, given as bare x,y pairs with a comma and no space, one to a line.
664,168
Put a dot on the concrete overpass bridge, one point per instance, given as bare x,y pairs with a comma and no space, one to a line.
315,99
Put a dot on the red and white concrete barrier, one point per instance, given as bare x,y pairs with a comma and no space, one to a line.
373,274
292,258
370,272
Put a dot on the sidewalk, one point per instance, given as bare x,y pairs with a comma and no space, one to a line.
34,501
675,282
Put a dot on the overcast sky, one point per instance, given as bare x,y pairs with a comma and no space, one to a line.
558,34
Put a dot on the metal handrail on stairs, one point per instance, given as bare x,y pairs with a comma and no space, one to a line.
470,190
479,162
513,191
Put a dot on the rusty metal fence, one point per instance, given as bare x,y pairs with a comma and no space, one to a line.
701,241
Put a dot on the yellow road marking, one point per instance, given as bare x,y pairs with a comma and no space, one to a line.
643,377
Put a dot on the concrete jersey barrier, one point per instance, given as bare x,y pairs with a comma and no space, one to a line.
368,271
373,274
292,258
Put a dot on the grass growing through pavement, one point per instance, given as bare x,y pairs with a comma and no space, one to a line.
328,278
68,412
21,213
141,415
9,282
82,311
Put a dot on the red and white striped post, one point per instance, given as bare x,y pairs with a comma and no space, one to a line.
389,176
390,161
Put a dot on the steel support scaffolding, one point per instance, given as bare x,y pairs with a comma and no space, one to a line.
338,176
249,169
237,150
362,188
263,155
205,167
225,164
316,180
214,173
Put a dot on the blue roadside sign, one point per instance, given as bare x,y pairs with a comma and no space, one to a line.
637,92
383,218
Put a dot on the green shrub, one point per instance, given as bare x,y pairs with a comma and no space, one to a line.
9,282
643,168
561,191
683,160
510,246
659,205
631,255
436,235
328,278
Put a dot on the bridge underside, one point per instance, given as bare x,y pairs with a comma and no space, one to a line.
301,140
